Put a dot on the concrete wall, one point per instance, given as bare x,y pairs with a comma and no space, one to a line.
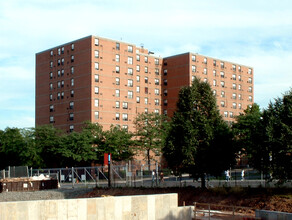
162,206
271,215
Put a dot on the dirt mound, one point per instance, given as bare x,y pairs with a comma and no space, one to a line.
267,199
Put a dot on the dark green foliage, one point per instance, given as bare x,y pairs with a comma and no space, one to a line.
199,141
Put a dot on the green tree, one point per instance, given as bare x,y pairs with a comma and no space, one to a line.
277,119
151,129
199,141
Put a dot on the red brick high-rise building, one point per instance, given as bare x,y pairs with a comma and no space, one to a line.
101,80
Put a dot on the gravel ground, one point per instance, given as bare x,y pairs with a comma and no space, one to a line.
43,195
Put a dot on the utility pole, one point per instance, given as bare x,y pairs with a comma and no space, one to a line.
109,171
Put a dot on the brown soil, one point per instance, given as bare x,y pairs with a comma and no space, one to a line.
266,199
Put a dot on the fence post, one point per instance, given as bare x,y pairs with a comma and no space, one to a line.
9,172
127,174
142,174
156,167
195,211
72,174
85,176
209,211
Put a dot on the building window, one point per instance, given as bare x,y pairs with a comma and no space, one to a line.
58,95
130,71
130,48
193,58
96,78
222,84
234,96
96,115
117,116
233,67
234,105
51,108
146,90
146,69
214,82
156,81
138,99
222,94
71,105
96,90
156,61
130,60
239,87
193,78
233,86
231,114
165,112
156,101
96,102
125,105
146,101
239,97
156,111
130,94
250,89
222,104
62,61
222,64
193,68
138,57
138,68
250,98
249,71
249,80
165,102
165,92
59,62
59,51
146,79
239,105
165,82
72,70
71,128
125,117
146,59
117,58
138,78
117,104
130,82
51,119
156,91
71,116
222,74
125,127
138,89
72,93
117,81
117,93
239,68
205,80
62,72
117,46
72,82
117,69
234,76
62,83
146,110
96,54
205,60
52,53
165,72
96,65
51,86
51,64
214,92
96,41
72,47
225,114
51,75
214,62
205,71
72,58
214,73
156,71
59,73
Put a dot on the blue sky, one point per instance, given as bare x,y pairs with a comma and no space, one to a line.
255,33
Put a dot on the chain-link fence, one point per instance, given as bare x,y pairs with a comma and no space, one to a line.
14,172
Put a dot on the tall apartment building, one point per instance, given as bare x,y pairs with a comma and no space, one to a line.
110,82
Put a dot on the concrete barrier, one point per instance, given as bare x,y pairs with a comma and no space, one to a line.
271,215
148,207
